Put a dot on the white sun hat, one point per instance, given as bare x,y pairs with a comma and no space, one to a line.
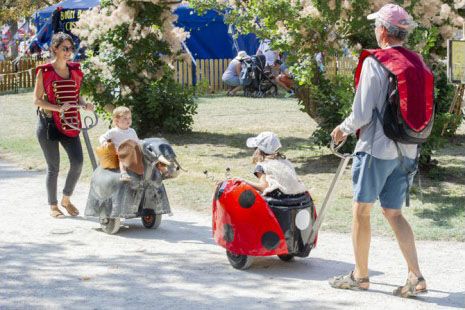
241,55
266,141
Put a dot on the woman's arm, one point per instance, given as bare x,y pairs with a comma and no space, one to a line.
262,183
39,92
238,68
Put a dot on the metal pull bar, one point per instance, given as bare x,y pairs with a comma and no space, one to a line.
88,123
345,158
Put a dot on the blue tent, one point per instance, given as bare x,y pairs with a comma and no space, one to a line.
43,16
67,12
210,37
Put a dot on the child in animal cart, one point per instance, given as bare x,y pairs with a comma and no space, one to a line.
121,132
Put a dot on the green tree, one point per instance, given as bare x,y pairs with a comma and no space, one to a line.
302,28
13,10
131,46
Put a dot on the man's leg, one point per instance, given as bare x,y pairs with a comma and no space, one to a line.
361,237
406,240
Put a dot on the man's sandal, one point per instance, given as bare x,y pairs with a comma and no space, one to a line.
71,209
349,282
410,288
56,213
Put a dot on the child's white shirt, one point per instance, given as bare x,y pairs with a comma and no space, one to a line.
118,135
280,174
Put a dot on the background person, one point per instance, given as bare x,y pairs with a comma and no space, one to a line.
265,49
59,69
377,170
231,75
284,78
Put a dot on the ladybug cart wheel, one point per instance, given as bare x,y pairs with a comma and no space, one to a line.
286,257
238,261
150,219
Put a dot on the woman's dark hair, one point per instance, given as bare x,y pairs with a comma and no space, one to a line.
59,38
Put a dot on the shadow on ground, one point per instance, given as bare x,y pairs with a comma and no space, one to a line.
236,140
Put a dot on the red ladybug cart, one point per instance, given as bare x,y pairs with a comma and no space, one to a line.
248,224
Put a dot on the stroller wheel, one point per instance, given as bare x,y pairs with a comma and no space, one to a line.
238,261
110,225
286,257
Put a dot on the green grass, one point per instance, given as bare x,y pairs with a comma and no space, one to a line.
218,141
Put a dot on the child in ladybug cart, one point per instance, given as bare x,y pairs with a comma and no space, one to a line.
276,175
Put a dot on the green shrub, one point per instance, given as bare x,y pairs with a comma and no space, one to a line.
131,46
167,107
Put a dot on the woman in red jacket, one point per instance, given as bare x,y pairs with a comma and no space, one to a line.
57,96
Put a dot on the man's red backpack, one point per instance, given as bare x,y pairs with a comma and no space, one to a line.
408,114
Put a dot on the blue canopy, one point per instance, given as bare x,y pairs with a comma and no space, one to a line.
42,16
210,37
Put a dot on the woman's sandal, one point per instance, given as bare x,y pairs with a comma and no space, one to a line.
56,213
71,209
410,288
349,282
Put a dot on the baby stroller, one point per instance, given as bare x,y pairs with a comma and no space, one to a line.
257,78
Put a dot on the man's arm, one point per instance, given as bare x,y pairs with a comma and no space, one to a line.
367,94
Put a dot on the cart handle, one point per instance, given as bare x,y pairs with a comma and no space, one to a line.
89,122
335,148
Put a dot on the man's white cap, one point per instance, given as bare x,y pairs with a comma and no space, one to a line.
394,15
266,141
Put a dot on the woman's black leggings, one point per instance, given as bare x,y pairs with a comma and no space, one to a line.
51,152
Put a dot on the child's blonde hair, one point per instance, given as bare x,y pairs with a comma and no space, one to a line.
259,156
118,112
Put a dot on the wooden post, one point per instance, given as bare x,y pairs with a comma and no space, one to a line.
189,70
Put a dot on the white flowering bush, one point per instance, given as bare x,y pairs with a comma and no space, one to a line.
130,50
302,28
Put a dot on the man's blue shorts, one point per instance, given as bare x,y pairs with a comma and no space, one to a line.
383,179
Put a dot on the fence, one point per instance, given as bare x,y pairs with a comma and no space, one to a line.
341,66
15,75
206,74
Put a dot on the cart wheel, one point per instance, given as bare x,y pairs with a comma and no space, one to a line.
238,261
151,220
286,257
110,226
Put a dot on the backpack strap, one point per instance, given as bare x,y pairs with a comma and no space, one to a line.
400,156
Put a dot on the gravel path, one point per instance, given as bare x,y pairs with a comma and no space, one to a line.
69,263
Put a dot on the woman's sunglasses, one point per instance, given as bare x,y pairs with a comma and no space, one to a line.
67,49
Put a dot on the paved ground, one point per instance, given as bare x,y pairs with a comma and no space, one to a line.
70,263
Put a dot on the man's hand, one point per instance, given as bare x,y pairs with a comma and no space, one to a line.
338,135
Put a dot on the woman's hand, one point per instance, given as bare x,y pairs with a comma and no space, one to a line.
89,107
64,107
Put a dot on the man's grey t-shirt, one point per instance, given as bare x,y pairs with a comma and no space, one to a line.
371,93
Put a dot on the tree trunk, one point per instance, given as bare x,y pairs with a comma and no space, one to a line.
13,46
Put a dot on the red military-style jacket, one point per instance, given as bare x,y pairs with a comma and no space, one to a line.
60,90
